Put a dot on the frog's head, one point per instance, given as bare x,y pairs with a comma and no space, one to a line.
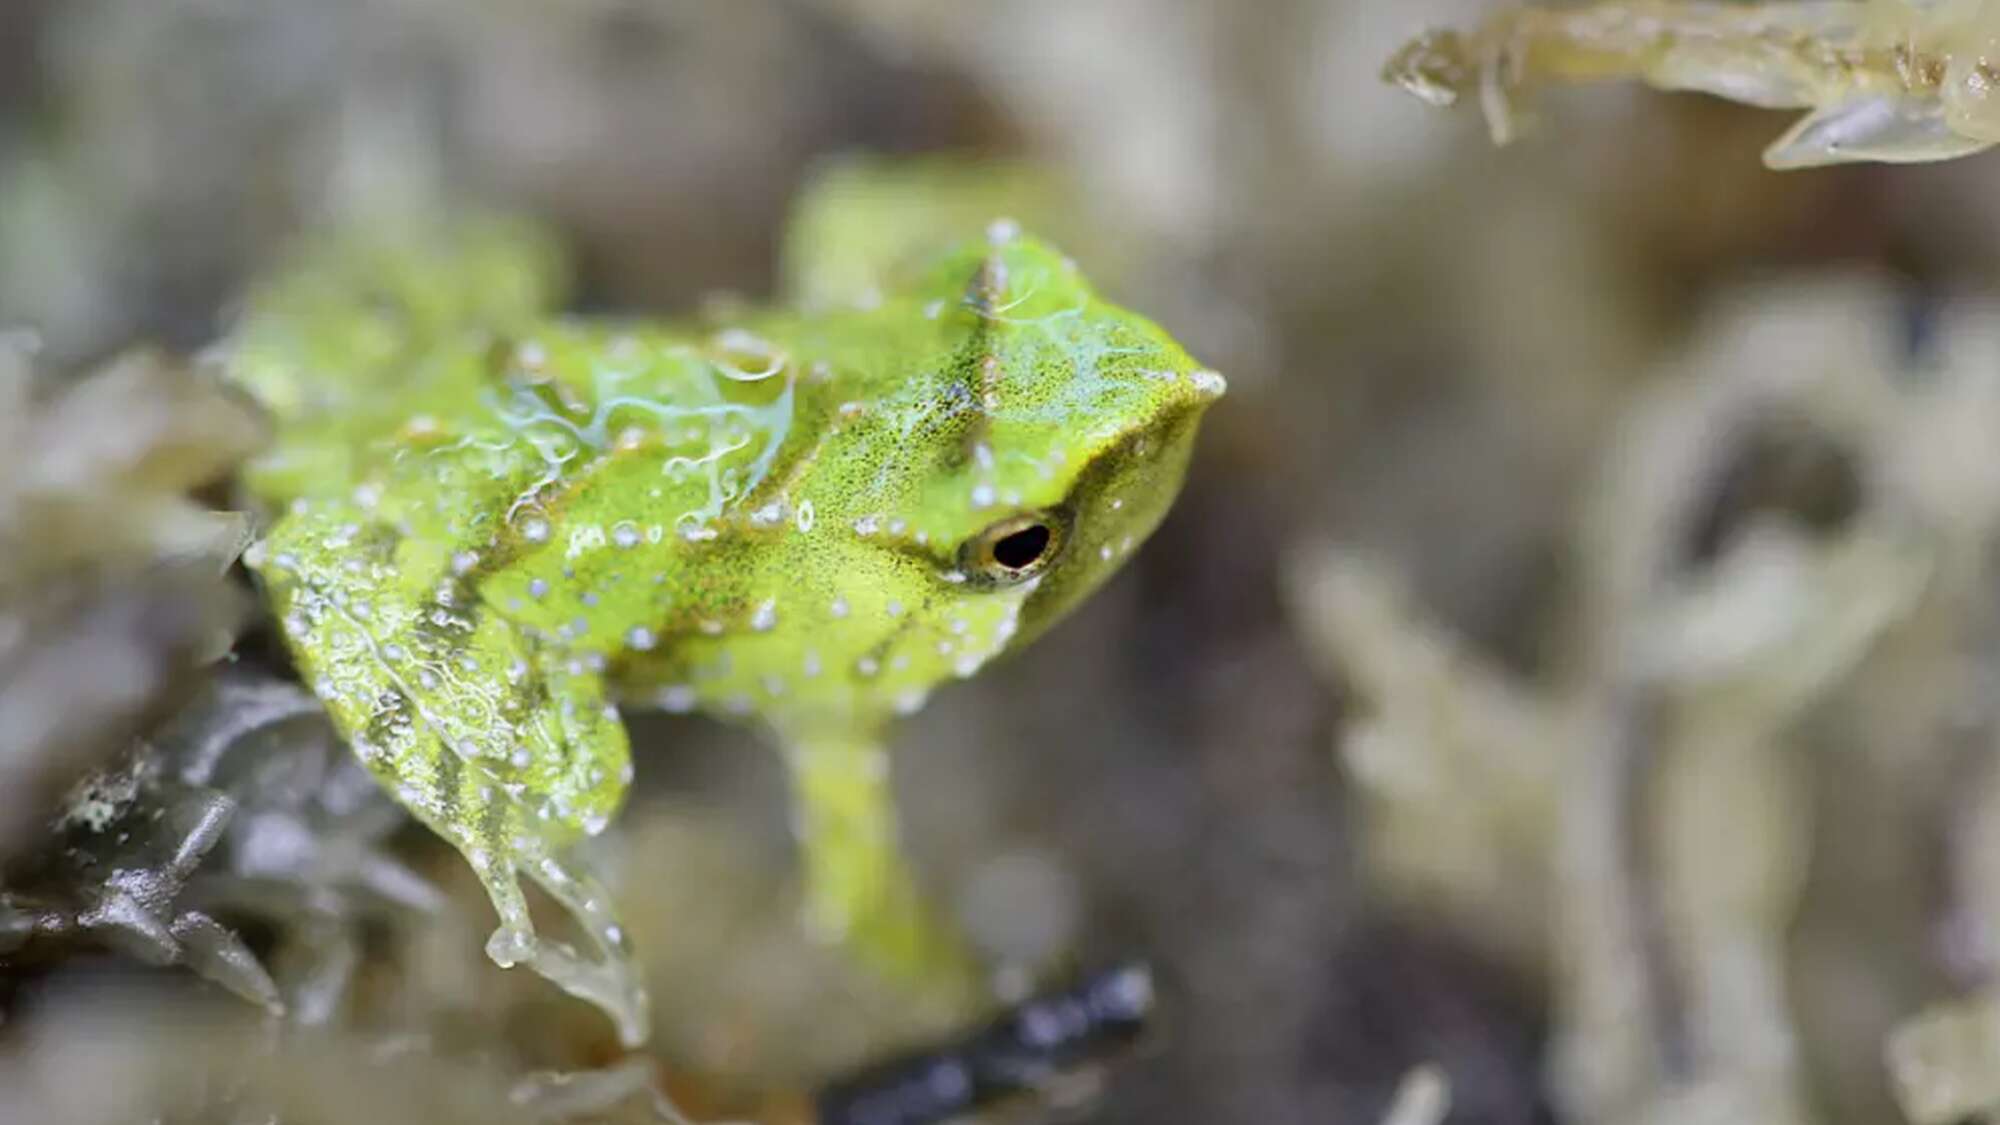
1040,439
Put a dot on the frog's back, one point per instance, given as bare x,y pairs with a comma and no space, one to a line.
366,335
425,392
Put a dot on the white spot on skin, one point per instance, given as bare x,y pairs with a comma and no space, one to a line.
463,562
867,666
521,757
812,665
894,608
538,588
867,525
933,310
678,698
983,496
839,608
911,702
770,515
626,535
766,617
805,516
535,530
1104,552
589,537
640,639
1210,383
1002,231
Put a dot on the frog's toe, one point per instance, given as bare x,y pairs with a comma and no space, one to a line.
610,979
508,946
611,983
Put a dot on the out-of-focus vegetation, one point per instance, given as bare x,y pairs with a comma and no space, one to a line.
1569,680
1901,81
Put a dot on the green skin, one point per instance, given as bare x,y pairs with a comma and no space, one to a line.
501,525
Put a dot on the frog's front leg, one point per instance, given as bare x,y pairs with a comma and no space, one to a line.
499,741
572,793
858,888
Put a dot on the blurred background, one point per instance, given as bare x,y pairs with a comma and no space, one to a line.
1574,664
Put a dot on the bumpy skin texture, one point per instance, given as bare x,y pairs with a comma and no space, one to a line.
498,525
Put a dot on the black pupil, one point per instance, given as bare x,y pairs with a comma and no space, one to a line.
1023,548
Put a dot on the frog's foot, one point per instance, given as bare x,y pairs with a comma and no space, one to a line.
609,979
858,889
573,779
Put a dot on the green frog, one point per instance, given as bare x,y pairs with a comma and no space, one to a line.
495,526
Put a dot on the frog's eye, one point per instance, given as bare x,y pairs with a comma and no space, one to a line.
1013,550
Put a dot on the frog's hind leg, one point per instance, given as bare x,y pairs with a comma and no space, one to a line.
502,744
